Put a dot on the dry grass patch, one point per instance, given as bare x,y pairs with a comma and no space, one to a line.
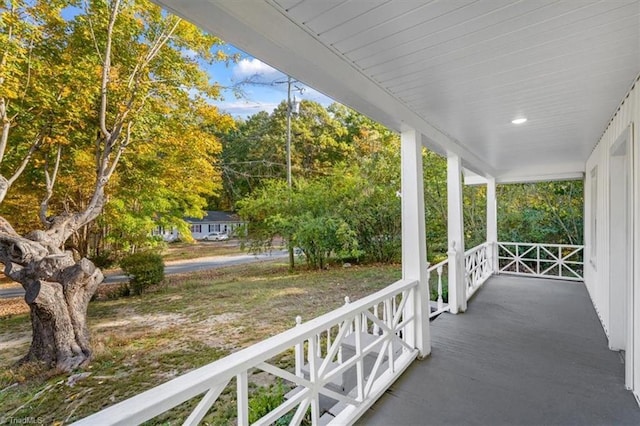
189,321
13,306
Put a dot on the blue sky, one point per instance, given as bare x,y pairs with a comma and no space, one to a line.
256,97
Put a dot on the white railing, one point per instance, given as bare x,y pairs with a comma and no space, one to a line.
477,267
438,305
367,343
559,261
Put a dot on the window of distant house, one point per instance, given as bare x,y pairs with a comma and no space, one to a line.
196,228
212,227
593,225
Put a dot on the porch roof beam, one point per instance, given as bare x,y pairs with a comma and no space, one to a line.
471,178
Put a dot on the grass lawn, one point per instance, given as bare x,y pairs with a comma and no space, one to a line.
141,342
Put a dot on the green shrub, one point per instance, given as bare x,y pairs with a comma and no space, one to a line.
144,269
105,259
123,290
266,399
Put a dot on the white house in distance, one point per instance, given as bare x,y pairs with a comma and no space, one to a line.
508,91
213,221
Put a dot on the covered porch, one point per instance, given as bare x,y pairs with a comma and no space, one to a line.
455,77
527,351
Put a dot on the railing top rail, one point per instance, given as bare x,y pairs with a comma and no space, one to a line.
155,401
476,248
437,265
542,244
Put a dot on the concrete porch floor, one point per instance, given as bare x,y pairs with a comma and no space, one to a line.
528,351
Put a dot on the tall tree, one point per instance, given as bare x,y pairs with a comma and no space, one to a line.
256,151
103,81
248,158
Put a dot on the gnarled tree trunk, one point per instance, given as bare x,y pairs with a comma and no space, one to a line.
58,290
59,287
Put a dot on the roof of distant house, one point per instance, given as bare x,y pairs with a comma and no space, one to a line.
216,216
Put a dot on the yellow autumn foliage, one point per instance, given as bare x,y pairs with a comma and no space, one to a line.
54,66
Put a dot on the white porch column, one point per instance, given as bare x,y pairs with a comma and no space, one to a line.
455,227
414,248
492,224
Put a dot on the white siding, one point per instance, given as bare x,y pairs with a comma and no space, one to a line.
598,246
596,260
167,234
202,229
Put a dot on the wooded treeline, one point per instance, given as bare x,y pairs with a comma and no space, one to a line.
345,203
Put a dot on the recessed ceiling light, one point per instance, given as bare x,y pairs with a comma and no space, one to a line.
519,120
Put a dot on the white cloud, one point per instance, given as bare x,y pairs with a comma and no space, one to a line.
263,88
262,99
243,108
248,68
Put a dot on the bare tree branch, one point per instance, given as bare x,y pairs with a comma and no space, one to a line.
164,37
93,35
5,184
50,182
106,69
110,143
120,150
29,68
6,123
5,53
6,126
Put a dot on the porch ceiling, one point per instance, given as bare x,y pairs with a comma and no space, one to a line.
456,70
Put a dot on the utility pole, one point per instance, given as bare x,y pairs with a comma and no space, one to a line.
292,108
292,260
289,111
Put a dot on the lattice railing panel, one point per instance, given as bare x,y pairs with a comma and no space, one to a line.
348,357
559,261
477,267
